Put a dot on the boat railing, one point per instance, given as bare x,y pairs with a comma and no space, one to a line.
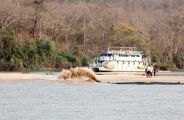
122,48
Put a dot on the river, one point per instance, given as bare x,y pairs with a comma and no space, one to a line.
54,100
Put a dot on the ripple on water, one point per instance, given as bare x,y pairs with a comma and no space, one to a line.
53,100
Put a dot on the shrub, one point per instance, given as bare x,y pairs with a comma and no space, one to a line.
179,60
34,55
85,61
163,67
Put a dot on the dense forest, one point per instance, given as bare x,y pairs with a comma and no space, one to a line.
55,34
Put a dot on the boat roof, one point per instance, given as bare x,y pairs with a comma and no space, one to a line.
122,49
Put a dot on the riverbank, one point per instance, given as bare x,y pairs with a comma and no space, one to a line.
27,76
140,78
108,77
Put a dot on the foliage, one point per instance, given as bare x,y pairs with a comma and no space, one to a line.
35,55
125,35
163,67
179,60
54,34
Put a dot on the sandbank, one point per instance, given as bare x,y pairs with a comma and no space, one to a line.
27,76
139,78
112,78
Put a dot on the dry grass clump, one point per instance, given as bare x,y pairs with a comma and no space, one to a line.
78,72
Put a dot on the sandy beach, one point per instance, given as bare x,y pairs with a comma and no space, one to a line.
139,78
27,76
113,78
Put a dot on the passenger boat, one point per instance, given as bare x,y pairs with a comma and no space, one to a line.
117,59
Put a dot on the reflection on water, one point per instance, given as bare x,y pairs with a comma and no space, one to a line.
53,100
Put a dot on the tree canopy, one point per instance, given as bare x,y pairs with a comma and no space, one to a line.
34,33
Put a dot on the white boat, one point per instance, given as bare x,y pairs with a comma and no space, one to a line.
120,59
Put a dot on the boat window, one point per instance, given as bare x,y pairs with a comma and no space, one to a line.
132,55
103,55
109,55
101,61
121,55
137,55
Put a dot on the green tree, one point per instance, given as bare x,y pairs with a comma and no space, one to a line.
127,36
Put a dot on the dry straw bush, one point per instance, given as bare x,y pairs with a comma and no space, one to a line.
78,72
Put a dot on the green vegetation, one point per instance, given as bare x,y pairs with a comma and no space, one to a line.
55,34
36,55
125,35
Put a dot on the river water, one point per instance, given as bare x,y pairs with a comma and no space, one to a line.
54,100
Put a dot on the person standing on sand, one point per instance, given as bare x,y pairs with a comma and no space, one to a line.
149,71
155,70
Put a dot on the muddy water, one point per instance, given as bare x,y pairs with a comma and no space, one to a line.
53,100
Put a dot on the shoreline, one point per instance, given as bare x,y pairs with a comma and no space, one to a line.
138,78
26,76
104,78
